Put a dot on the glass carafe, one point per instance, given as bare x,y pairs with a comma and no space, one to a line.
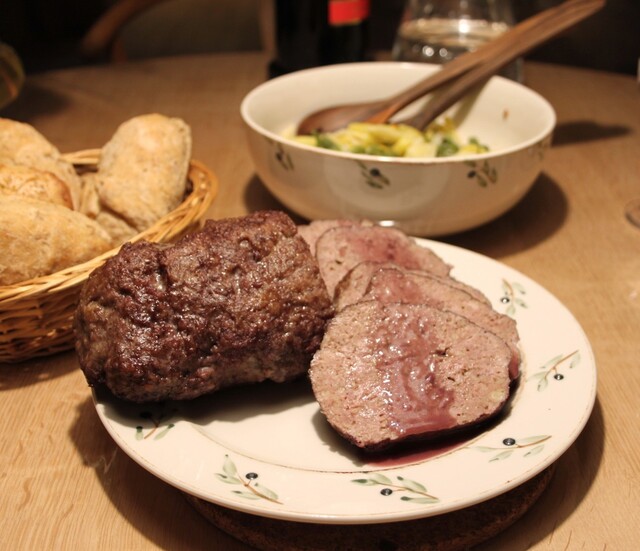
436,31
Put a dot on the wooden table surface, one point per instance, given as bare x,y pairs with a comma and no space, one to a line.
64,484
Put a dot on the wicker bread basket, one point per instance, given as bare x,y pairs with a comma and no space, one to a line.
36,315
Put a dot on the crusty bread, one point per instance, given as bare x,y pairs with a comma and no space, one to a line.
116,226
89,200
21,144
39,238
26,181
143,169
52,218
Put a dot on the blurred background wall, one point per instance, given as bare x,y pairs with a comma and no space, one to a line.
48,33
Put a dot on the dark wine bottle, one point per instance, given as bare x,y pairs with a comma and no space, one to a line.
347,31
300,28
310,33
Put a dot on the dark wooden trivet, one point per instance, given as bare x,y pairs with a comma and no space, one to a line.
453,531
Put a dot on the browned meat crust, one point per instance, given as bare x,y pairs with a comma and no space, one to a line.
241,301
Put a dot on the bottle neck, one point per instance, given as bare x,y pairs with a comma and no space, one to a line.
347,12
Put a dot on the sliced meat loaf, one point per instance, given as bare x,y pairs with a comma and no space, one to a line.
312,231
394,285
390,372
242,301
341,248
354,284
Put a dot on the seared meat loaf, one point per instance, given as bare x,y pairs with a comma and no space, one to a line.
390,372
241,301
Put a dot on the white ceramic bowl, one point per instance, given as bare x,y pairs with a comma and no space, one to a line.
427,197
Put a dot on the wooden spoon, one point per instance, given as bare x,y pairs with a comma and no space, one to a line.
470,69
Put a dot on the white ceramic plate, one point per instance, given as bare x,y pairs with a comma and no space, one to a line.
268,451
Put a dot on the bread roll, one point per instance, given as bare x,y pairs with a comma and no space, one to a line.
117,227
39,238
21,144
143,169
32,183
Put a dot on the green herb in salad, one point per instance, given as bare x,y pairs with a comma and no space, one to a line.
440,139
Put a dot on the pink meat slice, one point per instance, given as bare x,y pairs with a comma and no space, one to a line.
312,231
391,372
352,287
393,285
340,249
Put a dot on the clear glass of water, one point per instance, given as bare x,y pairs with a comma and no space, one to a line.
436,31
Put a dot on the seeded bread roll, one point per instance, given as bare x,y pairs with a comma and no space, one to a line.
23,145
116,226
142,171
39,238
25,181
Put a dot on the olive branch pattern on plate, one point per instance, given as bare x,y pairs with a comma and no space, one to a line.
532,445
252,488
553,369
513,296
417,492
158,430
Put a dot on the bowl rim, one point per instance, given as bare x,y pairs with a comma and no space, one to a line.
250,96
